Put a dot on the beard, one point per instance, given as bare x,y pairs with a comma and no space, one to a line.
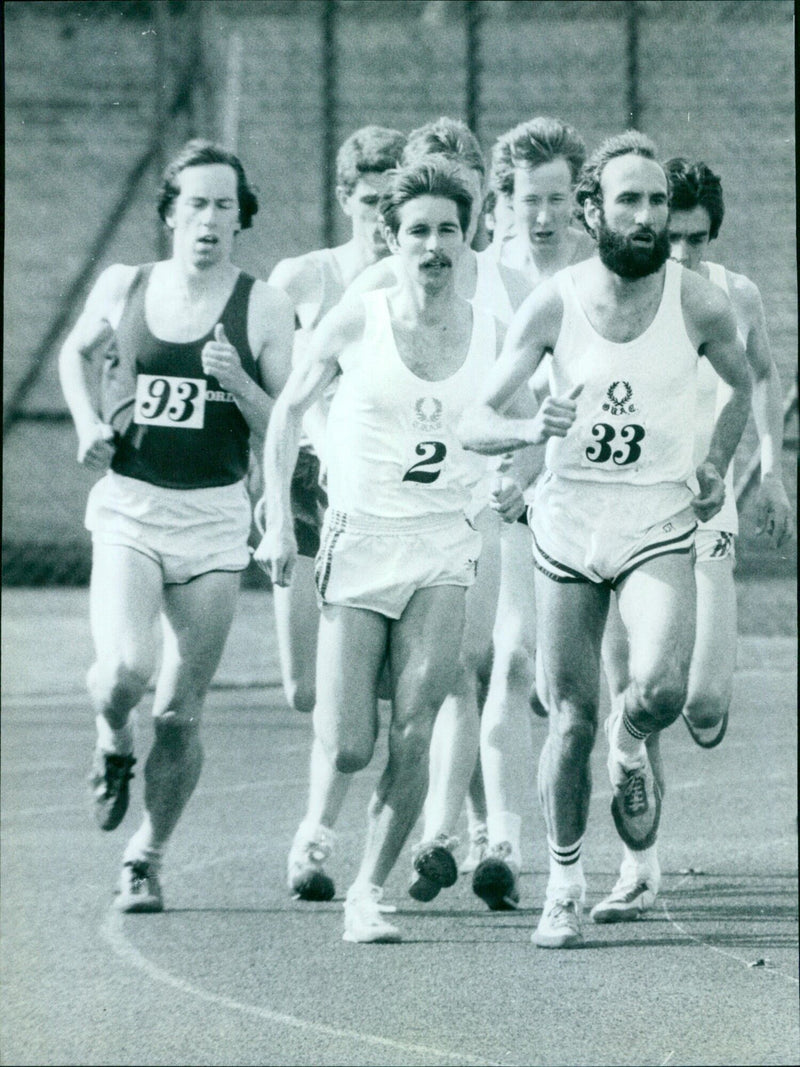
627,259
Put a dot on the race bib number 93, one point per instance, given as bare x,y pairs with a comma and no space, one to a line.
163,400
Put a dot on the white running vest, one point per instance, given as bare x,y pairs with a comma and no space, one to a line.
391,444
490,291
712,396
635,421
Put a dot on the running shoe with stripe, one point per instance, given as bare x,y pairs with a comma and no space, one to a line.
363,917
560,923
139,888
706,736
305,874
496,879
434,868
109,778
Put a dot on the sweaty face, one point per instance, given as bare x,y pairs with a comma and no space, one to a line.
205,214
689,234
543,201
362,207
429,241
631,224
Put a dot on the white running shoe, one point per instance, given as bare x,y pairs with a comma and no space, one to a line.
560,924
363,917
478,845
634,893
626,902
305,875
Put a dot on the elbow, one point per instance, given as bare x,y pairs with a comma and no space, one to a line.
466,431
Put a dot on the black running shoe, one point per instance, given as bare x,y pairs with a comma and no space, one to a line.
109,778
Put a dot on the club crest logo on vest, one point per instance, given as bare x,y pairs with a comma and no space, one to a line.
619,394
428,415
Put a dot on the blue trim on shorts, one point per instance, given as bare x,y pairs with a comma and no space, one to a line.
324,562
663,549
573,577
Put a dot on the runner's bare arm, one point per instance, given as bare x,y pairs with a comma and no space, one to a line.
773,511
307,382
492,425
711,321
91,332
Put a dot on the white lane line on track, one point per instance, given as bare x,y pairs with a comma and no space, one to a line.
112,931
714,948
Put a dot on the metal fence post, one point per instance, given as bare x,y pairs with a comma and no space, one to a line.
473,16
329,132
632,19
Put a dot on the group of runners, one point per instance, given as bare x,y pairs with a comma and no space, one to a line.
425,549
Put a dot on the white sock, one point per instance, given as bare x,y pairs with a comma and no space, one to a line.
626,739
641,864
142,847
566,870
315,831
115,742
505,826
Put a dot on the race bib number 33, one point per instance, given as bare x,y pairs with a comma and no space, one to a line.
163,400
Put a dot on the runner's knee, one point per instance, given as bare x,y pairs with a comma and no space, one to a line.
660,697
121,684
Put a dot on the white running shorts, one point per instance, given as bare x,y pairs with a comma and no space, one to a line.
188,532
378,564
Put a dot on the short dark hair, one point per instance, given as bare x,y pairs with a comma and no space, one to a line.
201,153
432,176
630,143
446,137
542,140
370,150
695,185
501,169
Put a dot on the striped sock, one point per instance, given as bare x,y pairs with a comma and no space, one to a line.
566,869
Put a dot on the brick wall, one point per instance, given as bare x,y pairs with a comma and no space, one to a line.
716,82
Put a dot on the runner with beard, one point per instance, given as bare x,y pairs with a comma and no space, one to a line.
614,510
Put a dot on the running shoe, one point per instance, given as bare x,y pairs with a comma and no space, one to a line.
139,888
109,778
496,879
636,804
434,868
627,901
363,917
560,924
478,845
707,736
305,875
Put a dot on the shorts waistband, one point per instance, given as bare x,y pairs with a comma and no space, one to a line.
375,524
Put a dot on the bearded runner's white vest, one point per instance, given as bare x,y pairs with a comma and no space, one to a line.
391,443
635,421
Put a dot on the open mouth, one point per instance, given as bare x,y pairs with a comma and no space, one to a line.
645,240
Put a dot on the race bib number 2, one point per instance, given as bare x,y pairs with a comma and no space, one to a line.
163,400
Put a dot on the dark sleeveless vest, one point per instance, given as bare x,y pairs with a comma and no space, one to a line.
175,456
